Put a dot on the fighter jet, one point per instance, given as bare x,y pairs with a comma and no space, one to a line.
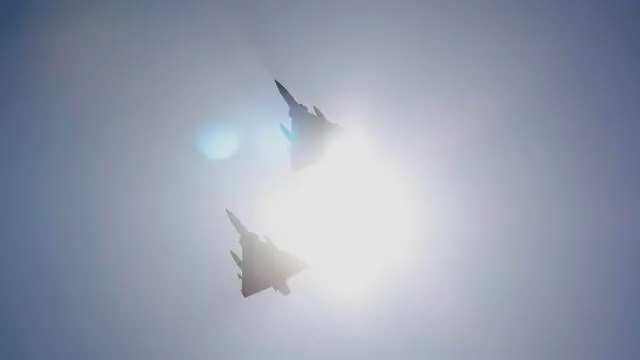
263,265
309,132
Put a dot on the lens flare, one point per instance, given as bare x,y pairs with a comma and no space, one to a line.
348,216
217,142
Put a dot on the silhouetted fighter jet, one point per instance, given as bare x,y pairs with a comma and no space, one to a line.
263,265
309,132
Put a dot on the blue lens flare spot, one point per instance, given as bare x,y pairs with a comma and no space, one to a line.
217,142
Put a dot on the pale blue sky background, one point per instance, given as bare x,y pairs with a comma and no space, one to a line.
517,120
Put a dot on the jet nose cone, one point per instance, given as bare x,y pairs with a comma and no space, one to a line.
281,88
231,215
286,95
236,222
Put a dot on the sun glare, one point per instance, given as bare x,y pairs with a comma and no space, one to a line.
348,216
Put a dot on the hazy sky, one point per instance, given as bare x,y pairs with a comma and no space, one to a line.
517,122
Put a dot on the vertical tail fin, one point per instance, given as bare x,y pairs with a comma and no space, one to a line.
283,289
319,113
237,260
287,133
270,242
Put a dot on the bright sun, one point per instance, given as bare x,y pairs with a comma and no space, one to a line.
348,216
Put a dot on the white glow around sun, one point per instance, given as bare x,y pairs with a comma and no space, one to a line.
348,216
